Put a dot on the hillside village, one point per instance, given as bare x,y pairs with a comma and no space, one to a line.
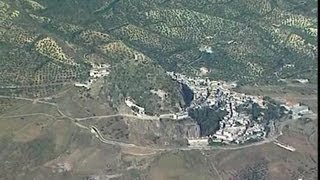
236,127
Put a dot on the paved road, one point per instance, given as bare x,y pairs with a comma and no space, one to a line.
143,117
188,148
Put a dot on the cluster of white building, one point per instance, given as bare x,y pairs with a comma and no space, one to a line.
97,71
236,127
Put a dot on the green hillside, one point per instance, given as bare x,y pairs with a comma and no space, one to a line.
250,41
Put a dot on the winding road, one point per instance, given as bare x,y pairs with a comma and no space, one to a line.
95,131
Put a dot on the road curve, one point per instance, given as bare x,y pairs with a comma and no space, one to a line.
188,148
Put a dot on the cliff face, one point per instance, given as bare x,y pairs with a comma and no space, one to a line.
208,119
187,95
